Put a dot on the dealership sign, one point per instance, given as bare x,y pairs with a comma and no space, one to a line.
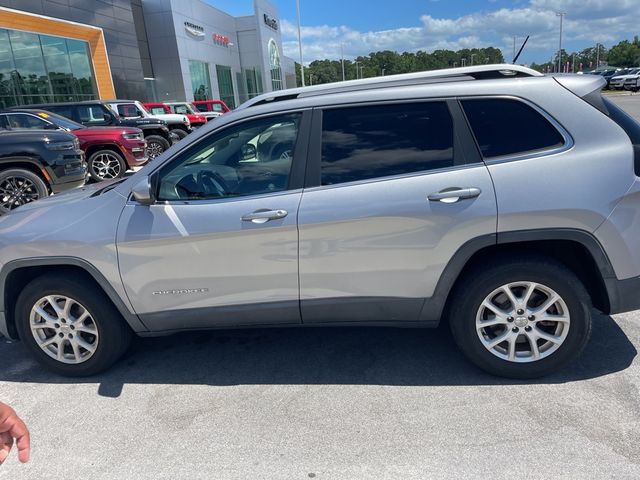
193,29
270,22
222,40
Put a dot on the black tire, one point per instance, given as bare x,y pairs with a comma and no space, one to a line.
482,281
97,174
37,189
114,335
180,133
156,145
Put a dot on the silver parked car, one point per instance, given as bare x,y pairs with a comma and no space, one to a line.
498,199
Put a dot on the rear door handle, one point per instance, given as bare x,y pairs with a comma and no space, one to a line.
452,195
264,215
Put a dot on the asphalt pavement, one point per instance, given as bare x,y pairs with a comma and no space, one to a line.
336,403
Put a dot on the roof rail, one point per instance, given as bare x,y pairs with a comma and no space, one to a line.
480,72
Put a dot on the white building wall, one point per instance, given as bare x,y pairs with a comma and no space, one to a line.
172,45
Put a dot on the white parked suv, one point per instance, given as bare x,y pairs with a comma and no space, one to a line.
618,82
178,124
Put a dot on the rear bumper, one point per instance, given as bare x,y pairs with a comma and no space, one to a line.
624,295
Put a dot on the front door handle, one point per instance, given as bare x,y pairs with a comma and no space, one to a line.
452,195
264,215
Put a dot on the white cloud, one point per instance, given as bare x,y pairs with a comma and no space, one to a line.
586,22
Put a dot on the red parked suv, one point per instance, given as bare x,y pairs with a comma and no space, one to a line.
183,108
110,151
211,108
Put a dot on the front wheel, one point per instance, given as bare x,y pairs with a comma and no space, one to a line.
521,319
18,187
70,326
156,145
105,165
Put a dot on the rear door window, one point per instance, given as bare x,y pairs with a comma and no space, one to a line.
505,126
91,114
361,143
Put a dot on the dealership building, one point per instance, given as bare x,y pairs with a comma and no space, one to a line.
152,50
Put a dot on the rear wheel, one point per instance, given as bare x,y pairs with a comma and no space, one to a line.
18,187
70,326
180,133
106,165
155,146
521,319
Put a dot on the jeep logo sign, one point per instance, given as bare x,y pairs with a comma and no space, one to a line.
193,29
270,22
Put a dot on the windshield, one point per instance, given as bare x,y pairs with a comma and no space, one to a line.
60,120
183,108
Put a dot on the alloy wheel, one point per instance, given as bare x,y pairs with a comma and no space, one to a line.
154,149
16,191
107,166
523,322
64,329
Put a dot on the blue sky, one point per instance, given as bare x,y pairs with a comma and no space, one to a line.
369,25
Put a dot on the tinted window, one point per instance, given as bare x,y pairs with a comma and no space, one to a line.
129,110
249,159
64,110
21,121
91,114
629,125
509,127
368,142
202,107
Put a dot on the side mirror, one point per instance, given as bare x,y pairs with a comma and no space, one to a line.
142,192
248,151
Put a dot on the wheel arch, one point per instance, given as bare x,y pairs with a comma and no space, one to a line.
578,250
27,163
104,146
18,273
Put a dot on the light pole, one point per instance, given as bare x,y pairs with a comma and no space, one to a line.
472,55
514,48
311,79
357,70
383,72
464,62
561,15
300,43
597,55
362,72
342,55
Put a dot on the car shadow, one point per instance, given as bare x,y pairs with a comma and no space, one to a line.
339,355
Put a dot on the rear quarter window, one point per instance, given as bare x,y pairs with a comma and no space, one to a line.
509,127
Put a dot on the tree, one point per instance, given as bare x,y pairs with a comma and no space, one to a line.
388,62
625,53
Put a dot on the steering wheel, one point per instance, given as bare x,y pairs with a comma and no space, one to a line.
212,184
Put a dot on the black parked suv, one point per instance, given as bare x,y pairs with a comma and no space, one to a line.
97,113
36,163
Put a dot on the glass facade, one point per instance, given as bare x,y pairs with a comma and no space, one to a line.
41,68
225,84
200,80
274,63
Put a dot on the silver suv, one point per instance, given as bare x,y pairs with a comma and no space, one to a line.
499,199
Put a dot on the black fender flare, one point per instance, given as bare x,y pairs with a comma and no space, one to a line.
131,318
